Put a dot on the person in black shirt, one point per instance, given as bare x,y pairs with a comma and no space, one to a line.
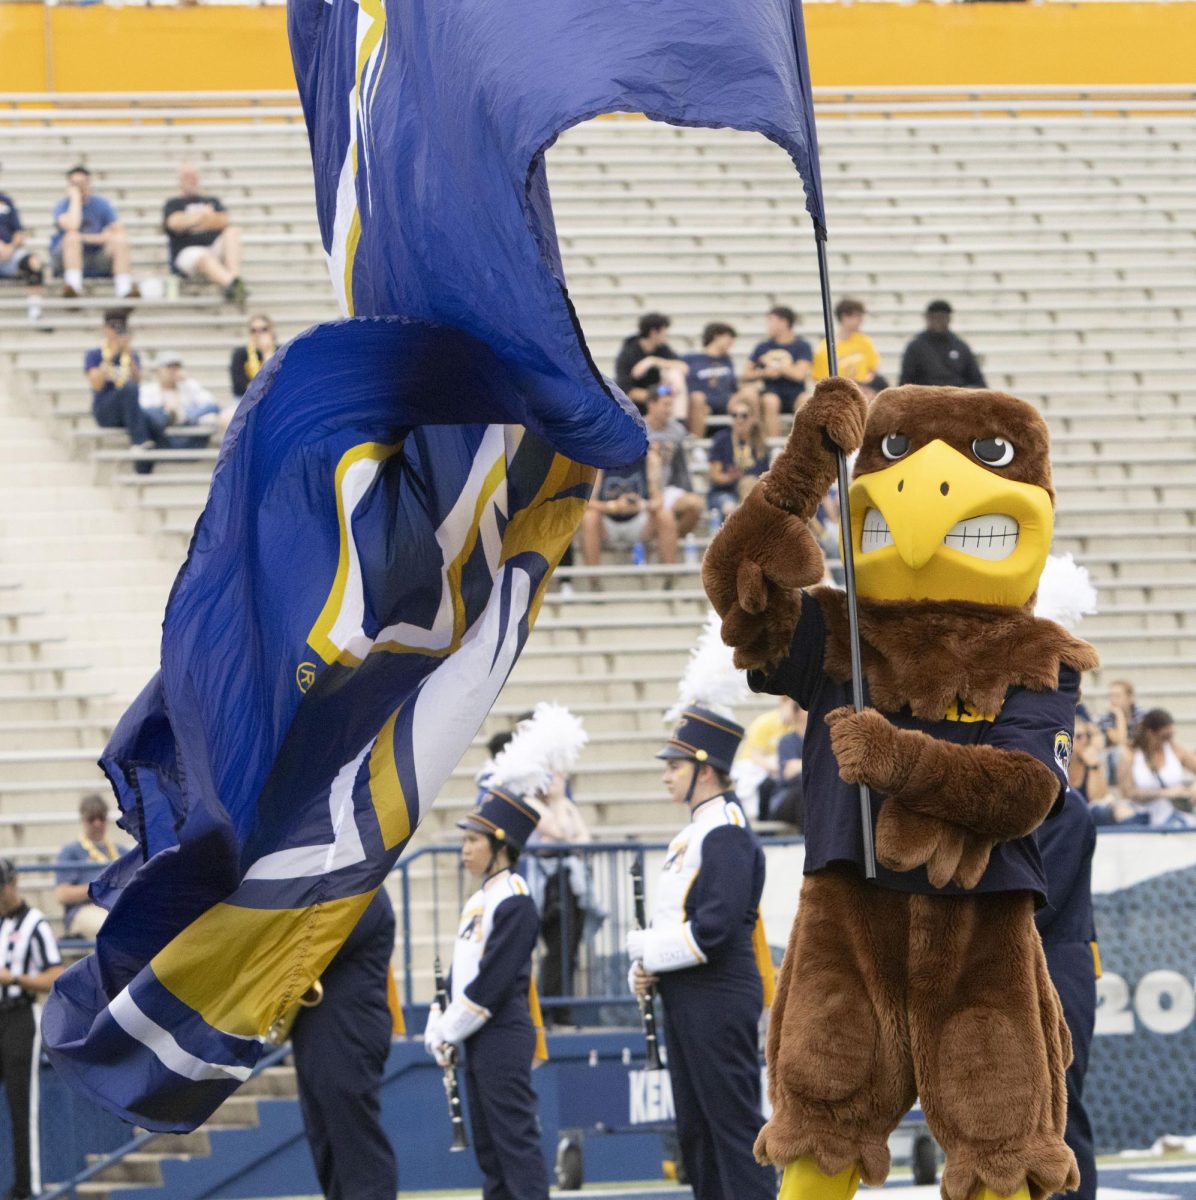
16,261
29,964
646,362
247,360
201,242
937,358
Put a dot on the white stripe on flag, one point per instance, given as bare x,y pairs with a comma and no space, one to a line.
162,1045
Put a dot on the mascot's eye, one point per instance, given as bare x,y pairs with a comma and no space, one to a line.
993,452
894,446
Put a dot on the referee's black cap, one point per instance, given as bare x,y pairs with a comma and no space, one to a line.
8,871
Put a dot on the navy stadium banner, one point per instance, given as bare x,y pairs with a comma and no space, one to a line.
1141,1082
390,501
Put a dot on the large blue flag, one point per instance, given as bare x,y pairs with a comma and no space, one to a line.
388,506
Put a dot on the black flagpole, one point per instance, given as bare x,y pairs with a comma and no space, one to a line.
853,615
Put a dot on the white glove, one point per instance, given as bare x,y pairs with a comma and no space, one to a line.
461,1021
631,971
432,1035
636,939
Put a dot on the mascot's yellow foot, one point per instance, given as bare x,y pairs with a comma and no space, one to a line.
804,1181
1022,1193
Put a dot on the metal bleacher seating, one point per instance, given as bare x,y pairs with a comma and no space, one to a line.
1062,228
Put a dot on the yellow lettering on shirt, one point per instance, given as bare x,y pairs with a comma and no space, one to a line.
961,710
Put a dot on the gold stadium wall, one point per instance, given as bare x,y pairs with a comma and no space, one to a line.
100,48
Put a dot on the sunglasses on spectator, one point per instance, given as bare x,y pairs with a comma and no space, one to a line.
740,416
259,329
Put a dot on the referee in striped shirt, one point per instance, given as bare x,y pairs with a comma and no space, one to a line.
29,964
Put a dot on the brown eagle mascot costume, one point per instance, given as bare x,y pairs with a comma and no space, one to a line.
930,980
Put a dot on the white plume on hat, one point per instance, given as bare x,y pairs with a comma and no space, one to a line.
1065,593
711,677
550,740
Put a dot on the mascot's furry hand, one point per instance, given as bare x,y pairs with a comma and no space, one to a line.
946,805
765,552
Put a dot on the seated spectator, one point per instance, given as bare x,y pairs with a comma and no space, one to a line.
937,358
1152,774
738,456
1121,718
89,240
173,399
79,863
757,769
113,371
711,377
646,362
247,360
201,243
781,364
681,506
1086,769
18,262
648,500
855,353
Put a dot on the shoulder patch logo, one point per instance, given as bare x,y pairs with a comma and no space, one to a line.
1063,749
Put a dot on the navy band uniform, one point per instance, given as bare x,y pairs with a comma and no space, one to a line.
1067,842
489,1013
700,943
341,1047
27,947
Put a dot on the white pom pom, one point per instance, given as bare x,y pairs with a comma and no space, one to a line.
711,677
1065,593
550,740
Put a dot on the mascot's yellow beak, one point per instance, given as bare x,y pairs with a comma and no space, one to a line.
937,525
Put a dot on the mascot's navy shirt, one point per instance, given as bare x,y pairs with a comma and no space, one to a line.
1067,843
1039,723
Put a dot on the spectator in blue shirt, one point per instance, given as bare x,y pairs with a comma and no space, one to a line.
113,371
711,376
89,240
781,363
79,863
16,260
738,456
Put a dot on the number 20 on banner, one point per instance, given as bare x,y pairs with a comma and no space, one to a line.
1163,1001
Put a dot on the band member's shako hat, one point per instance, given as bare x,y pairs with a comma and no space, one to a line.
706,730
503,816
548,742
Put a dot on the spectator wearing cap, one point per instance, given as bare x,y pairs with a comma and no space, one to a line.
938,358
171,398
202,243
29,964
781,365
705,951
855,353
81,862
89,239
490,1012
17,261
647,362
711,379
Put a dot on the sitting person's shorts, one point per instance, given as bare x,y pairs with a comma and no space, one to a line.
625,534
186,261
10,268
97,262
790,403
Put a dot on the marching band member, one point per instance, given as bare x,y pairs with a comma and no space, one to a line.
704,950
341,1045
490,1014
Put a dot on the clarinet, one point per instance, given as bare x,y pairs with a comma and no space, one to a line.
647,1003
452,1089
